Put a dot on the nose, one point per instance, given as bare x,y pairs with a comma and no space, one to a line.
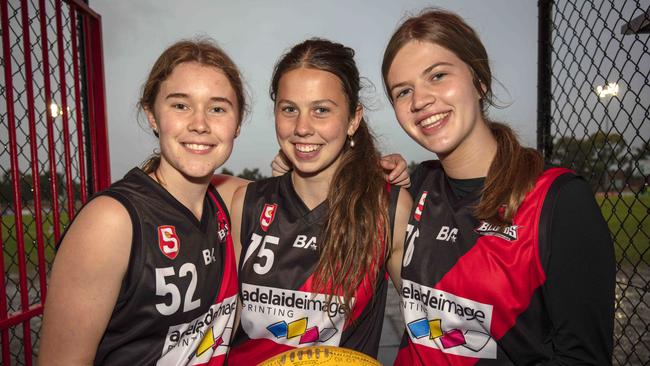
421,99
199,123
303,126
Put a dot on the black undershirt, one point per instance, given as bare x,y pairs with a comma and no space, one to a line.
579,289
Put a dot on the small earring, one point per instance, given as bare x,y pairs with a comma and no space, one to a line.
155,131
351,141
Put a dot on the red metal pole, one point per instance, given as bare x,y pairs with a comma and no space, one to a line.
77,98
97,105
36,178
47,94
15,177
4,331
65,115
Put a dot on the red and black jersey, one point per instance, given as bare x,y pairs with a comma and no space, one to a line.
472,293
281,310
177,302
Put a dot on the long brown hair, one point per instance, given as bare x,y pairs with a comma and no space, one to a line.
352,245
515,168
207,53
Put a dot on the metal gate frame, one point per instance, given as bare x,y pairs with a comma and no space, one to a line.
92,141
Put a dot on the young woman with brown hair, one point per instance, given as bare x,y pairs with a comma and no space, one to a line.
146,272
316,243
506,261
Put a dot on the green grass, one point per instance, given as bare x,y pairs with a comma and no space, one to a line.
29,234
629,221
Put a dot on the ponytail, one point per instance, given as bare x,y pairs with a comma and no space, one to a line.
356,235
511,176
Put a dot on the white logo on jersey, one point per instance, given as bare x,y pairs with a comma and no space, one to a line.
450,323
208,256
198,340
294,318
302,242
447,233
508,233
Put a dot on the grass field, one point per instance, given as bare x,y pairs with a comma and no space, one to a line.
628,219
29,222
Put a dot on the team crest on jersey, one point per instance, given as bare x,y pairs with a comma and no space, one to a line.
168,241
420,207
508,233
268,215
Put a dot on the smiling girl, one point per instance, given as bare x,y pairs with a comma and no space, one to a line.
316,244
147,267
507,261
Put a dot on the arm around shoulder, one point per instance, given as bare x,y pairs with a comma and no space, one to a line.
227,185
85,282
236,215
404,205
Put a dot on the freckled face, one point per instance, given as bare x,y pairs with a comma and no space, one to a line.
196,115
312,120
434,97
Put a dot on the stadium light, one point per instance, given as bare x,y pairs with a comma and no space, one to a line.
610,89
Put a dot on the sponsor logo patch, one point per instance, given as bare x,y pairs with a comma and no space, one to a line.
168,241
508,233
291,317
198,340
268,215
450,323
222,227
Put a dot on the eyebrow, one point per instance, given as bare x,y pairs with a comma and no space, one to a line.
186,96
320,101
424,72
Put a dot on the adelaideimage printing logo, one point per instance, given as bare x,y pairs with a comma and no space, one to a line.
168,241
450,323
267,216
299,328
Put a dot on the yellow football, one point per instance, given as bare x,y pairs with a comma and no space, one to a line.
321,355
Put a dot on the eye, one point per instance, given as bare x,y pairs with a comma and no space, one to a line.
402,93
180,106
217,110
321,110
437,76
288,109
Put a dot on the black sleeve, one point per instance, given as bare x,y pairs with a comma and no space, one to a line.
579,290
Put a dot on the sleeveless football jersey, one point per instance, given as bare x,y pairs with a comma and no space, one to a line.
281,310
178,297
471,291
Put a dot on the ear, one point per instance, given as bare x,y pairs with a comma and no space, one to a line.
151,119
483,89
238,130
356,120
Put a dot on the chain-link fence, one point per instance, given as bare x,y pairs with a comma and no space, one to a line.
594,117
46,161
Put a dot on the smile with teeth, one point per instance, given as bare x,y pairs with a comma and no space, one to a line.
198,147
433,120
307,148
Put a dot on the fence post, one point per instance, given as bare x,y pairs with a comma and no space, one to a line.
544,53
